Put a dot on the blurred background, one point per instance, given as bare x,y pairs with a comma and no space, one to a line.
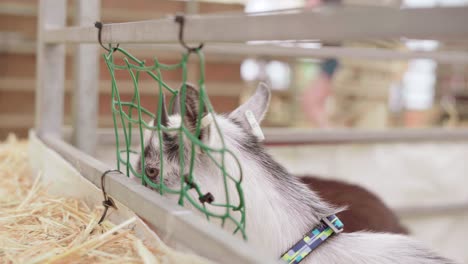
424,181
308,92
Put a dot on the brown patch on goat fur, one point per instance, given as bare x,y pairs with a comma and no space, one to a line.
365,210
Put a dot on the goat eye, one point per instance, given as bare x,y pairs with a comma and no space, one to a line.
152,172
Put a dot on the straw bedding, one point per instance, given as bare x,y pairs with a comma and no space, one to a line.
36,227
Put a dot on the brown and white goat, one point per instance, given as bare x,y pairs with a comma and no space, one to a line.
365,211
280,208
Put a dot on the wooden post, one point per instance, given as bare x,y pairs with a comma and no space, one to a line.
86,81
50,69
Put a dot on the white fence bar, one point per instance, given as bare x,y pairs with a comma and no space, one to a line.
235,52
175,222
291,136
326,24
432,210
86,81
293,51
309,136
452,57
50,69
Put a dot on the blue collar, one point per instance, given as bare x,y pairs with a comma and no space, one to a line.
326,228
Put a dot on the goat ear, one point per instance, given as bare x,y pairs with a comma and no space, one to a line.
257,104
164,116
192,104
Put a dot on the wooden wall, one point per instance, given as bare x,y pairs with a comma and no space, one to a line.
18,61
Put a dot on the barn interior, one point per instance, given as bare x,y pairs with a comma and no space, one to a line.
370,93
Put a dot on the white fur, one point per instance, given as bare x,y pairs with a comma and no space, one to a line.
174,122
275,220
273,227
266,208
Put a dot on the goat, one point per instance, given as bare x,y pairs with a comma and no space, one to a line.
280,208
365,211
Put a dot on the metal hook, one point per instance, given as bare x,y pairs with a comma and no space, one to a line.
181,20
108,202
99,25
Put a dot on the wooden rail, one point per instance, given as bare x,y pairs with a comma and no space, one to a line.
294,137
234,53
326,24
347,136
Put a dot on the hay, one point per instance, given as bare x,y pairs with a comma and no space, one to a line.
36,227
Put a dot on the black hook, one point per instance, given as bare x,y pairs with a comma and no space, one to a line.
108,202
99,25
181,20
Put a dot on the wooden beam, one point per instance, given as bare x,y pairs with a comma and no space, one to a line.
14,121
432,210
285,137
86,82
300,52
18,9
50,68
121,12
326,24
292,137
178,223
234,53
313,137
452,57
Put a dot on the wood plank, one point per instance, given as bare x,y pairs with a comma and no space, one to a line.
13,121
336,24
296,51
86,82
235,53
290,137
349,136
50,65
119,11
19,8
19,132
17,102
26,26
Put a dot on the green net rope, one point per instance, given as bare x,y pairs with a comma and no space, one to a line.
127,125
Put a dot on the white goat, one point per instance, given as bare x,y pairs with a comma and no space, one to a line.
280,209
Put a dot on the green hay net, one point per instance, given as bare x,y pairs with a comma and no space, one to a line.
131,120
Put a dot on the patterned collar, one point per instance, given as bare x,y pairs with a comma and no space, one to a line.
326,228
